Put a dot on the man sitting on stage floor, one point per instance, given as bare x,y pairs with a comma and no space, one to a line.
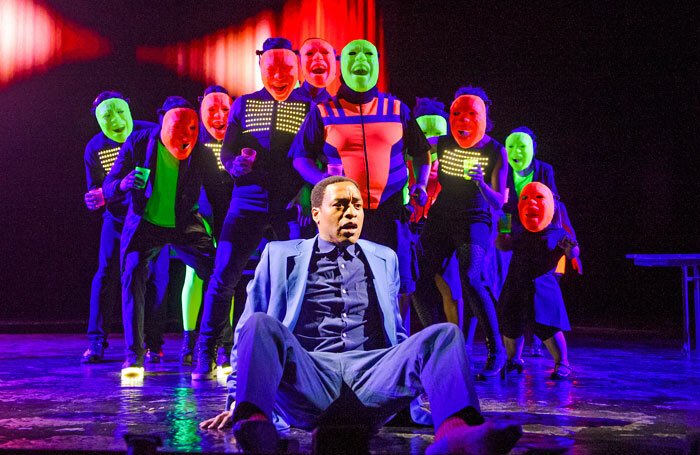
322,316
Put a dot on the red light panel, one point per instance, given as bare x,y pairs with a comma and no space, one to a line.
227,57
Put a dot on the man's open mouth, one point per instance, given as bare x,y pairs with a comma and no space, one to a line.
219,126
279,88
184,146
120,129
319,68
464,133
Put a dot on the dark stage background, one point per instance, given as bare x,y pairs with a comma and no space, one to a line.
611,93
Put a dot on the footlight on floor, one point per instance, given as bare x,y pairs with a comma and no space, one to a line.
224,371
132,372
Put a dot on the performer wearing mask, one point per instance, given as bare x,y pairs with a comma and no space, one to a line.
366,132
113,115
162,169
521,146
215,106
531,292
472,173
261,128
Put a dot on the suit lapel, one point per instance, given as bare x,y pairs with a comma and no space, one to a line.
297,266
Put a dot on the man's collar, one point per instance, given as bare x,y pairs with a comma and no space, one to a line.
324,247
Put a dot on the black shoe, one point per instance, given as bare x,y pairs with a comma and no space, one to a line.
189,339
513,365
561,371
153,357
495,360
95,351
256,436
223,360
132,366
206,364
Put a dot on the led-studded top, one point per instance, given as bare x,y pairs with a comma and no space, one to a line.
108,157
455,162
258,115
290,116
216,148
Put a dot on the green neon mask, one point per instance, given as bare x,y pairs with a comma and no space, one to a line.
432,125
114,117
359,64
520,151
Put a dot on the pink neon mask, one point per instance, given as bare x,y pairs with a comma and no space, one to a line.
468,120
179,131
536,206
279,71
318,63
214,112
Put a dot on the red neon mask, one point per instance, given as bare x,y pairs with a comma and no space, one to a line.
318,63
536,206
468,120
179,131
214,112
279,71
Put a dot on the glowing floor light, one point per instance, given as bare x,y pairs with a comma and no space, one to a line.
33,39
227,57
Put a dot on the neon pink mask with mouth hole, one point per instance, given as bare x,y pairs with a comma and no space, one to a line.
279,70
179,131
214,112
318,64
536,206
468,120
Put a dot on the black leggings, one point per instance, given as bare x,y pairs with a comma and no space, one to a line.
440,237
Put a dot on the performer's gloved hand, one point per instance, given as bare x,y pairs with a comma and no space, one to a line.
419,194
132,181
476,174
240,166
91,201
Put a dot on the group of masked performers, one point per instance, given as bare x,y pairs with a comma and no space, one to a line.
211,187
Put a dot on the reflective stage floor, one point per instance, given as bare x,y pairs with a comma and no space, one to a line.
638,397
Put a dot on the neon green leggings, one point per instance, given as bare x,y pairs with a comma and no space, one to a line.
192,295
192,300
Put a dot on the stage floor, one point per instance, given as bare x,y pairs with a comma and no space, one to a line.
637,397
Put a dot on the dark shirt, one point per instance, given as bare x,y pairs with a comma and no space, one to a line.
340,310
535,253
458,195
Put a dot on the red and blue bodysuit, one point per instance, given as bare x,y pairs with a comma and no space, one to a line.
368,132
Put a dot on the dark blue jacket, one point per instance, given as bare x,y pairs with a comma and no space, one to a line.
200,168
